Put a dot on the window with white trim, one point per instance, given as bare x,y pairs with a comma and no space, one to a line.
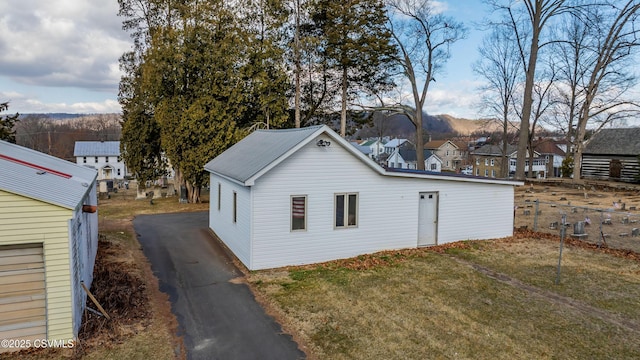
346,210
298,212
492,162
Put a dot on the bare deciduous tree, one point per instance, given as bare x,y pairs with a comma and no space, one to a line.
499,66
528,17
423,35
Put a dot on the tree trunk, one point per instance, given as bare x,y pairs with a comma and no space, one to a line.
343,112
527,102
298,69
419,141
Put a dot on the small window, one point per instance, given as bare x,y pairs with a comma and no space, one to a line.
235,207
84,159
492,162
477,172
434,167
219,196
298,212
486,162
106,159
477,161
346,210
96,159
447,152
486,173
118,172
493,173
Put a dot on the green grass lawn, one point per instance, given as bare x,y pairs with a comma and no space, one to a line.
423,304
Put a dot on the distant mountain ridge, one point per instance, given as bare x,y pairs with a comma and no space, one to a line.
435,125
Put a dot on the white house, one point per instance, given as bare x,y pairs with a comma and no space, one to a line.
103,156
391,145
309,196
406,159
376,146
48,244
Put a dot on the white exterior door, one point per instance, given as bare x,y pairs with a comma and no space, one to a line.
428,218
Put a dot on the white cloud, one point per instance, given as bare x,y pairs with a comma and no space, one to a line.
29,104
62,43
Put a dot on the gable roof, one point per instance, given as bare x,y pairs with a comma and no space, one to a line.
43,177
615,142
548,146
262,150
493,150
395,143
97,148
410,155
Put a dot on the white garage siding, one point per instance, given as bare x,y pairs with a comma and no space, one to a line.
235,235
388,209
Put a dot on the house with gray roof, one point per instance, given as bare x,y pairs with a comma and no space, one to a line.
309,196
103,156
612,154
405,158
48,244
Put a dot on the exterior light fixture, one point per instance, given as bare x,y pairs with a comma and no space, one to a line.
323,143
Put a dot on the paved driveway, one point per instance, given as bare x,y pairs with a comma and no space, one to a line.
218,319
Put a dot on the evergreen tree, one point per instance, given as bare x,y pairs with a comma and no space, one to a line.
357,45
7,122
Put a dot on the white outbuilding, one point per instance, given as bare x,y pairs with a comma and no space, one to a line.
48,244
300,196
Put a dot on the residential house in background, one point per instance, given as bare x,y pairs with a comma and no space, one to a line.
309,196
363,149
103,156
553,156
487,160
454,154
376,146
612,154
404,158
394,144
48,244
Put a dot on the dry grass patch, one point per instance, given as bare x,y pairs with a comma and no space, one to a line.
122,205
433,304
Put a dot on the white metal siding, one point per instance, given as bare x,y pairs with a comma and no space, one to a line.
388,209
235,235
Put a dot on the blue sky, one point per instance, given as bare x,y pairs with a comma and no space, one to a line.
62,56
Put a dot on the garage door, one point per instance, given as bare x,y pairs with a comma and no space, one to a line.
22,292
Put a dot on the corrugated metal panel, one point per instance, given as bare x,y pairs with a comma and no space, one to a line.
31,181
97,148
257,151
22,293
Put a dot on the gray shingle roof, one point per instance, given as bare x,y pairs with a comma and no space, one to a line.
494,150
615,142
410,155
257,151
43,177
97,148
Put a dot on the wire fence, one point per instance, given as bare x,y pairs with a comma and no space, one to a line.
617,226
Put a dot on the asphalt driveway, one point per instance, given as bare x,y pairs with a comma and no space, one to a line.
219,318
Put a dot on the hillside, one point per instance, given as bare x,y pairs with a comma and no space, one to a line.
436,125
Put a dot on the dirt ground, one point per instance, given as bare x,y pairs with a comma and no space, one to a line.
610,214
